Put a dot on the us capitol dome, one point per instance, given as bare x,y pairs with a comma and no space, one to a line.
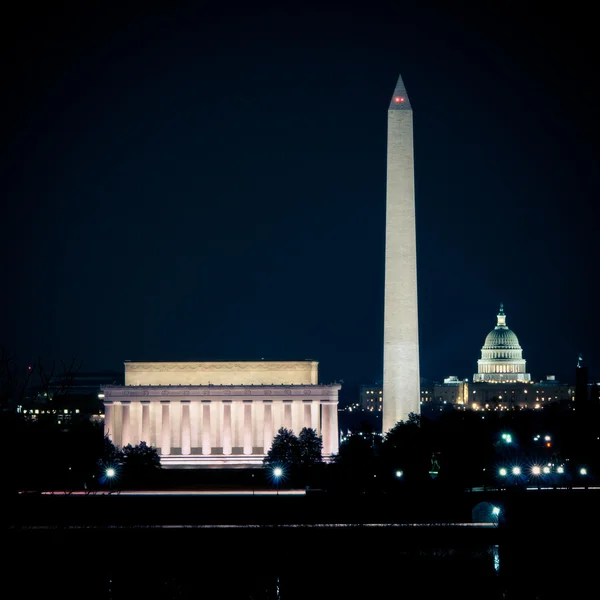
501,356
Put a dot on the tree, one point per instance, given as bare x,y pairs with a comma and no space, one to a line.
356,463
139,463
15,383
414,419
284,451
406,447
311,447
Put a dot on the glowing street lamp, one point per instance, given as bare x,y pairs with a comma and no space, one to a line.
560,470
536,470
583,471
495,511
399,474
516,470
277,475
502,472
507,437
546,470
109,474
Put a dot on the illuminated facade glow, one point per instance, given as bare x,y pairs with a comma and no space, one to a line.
501,356
219,413
401,383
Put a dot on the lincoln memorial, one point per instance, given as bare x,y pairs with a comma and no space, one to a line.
219,413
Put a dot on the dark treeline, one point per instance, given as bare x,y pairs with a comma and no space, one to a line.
460,450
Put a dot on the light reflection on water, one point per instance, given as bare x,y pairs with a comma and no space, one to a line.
276,566
283,569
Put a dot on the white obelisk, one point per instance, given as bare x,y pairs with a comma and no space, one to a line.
401,385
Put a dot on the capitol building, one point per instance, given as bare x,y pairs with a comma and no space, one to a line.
501,356
501,382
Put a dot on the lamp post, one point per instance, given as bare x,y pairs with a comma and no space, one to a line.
110,473
277,474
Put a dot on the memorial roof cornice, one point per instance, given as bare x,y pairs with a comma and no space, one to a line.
224,391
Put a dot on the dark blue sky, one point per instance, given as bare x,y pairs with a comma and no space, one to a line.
185,183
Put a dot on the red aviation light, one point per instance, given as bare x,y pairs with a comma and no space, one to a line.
398,99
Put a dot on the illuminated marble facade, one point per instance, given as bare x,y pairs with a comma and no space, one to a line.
501,356
219,413
401,383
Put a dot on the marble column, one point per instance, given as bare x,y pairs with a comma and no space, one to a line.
335,433
287,414
206,443
308,414
194,424
226,431
186,446
248,427
108,420
326,428
267,425
316,417
165,446
125,423
145,436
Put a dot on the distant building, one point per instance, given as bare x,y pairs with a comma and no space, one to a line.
71,395
502,382
505,396
203,414
371,396
501,356
452,391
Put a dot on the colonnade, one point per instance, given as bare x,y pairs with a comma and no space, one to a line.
198,426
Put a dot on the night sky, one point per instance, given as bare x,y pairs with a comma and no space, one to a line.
186,183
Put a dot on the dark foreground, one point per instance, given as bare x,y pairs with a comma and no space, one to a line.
126,547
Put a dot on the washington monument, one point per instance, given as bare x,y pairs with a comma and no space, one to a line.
401,385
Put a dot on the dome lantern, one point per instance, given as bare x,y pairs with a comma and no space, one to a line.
501,317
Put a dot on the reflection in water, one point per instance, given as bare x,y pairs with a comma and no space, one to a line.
268,565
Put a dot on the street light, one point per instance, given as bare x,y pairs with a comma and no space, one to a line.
560,470
110,474
502,472
536,470
546,470
277,474
399,474
583,471
495,511
516,470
